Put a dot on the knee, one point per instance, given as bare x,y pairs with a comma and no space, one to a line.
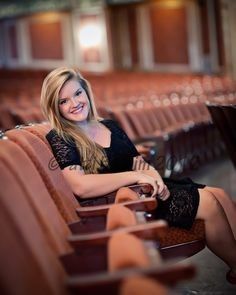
220,192
209,205
217,191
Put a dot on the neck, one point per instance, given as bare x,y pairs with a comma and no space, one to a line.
86,125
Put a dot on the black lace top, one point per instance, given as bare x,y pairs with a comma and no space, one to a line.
120,153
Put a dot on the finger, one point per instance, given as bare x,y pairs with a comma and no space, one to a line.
160,187
155,190
166,195
163,191
155,186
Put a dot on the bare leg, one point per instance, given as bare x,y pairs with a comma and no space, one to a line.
228,205
219,236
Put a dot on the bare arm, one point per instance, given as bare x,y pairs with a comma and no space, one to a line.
94,185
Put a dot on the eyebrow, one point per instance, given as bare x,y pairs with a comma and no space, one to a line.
62,98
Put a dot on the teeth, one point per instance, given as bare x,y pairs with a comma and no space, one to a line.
78,109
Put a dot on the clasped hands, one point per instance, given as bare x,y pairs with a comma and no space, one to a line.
159,189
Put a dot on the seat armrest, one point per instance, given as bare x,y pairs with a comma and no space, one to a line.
110,197
151,231
148,204
104,282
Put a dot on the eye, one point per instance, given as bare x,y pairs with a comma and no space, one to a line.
78,92
62,101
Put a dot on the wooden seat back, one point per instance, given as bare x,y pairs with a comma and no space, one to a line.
25,176
28,262
49,170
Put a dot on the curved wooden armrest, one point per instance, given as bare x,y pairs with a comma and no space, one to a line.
168,275
109,198
147,204
151,230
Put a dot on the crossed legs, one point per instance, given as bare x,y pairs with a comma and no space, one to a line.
219,235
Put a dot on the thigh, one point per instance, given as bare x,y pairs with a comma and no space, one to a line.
216,191
208,204
221,196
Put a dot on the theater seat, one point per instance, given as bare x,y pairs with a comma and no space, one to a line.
223,117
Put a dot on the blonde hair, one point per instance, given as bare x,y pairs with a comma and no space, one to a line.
92,155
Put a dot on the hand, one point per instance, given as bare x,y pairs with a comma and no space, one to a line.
144,178
163,192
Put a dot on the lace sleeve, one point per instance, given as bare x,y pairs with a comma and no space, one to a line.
65,153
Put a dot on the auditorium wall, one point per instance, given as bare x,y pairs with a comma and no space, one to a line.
162,35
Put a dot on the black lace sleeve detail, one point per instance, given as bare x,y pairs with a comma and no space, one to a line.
114,127
65,153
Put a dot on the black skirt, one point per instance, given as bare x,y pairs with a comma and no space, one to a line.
180,209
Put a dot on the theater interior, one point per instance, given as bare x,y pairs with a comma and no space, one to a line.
165,72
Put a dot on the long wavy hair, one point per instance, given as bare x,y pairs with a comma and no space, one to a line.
92,155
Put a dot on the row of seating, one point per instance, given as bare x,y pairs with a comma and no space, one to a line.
11,117
183,136
120,88
63,247
165,115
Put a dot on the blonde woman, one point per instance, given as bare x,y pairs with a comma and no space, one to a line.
97,157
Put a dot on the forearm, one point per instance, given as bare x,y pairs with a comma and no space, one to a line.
94,185
152,172
141,165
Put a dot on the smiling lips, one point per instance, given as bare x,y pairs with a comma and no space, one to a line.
78,109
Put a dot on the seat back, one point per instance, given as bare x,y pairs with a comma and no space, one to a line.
25,176
6,120
230,114
49,170
149,112
163,122
224,119
230,117
28,263
134,117
40,130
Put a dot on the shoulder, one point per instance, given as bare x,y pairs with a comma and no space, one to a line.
53,136
51,133
65,153
55,139
115,128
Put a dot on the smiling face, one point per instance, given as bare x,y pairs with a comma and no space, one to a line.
73,102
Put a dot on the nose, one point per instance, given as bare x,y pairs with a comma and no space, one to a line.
73,101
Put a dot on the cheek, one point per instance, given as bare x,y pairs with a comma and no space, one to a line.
62,108
63,111
87,102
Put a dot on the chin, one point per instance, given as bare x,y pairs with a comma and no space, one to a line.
77,117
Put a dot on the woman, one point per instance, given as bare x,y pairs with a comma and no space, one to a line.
97,157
